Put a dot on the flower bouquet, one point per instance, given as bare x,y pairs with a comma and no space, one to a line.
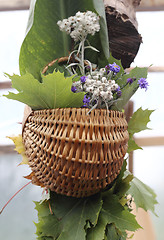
76,136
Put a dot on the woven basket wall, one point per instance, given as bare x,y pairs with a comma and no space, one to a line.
75,153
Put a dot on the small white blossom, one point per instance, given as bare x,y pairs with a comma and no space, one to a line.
96,77
89,89
89,76
103,79
98,83
114,86
102,70
80,25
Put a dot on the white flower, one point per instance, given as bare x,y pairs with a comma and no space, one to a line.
80,25
89,89
96,77
103,79
114,87
103,70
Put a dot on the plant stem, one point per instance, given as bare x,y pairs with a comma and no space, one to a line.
82,55
14,196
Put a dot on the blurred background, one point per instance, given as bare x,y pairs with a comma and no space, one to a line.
148,164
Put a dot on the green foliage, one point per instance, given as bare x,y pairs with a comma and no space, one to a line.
137,123
144,196
114,212
44,41
74,213
71,215
121,185
132,145
97,232
50,227
53,92
106,215
112,233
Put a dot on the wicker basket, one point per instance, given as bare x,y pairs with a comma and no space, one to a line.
75,153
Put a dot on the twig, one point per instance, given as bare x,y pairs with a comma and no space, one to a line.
14,196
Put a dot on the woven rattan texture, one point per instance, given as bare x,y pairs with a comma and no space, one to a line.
75,153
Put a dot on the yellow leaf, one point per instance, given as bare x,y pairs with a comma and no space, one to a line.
19,147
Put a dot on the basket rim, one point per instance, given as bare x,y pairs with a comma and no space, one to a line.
30,112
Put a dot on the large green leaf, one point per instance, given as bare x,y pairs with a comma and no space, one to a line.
45,42
114,212
53,92
144,196
65,217
73,214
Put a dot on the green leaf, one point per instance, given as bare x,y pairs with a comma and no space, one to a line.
73,214
48,227
53,92
44,41
122,183
114,212
144,196
97,232
139,121
123,187
45,238
132,146
112,233
42,208
129,90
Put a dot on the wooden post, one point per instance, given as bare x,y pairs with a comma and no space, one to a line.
124,39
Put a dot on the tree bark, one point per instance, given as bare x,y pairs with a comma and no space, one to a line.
124,39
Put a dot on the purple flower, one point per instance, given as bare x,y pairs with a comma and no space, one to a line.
114,67
83,79
118,91
86,100
73,89
107,67
88,67
143,83
84,106
130,80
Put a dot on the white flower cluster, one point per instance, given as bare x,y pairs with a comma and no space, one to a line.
98,86
80,25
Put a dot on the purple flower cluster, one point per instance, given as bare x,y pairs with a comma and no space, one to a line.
143,83
83,79
118,91
73,89
86,101
130,80
113,67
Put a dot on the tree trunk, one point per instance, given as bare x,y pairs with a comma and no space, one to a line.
124,39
